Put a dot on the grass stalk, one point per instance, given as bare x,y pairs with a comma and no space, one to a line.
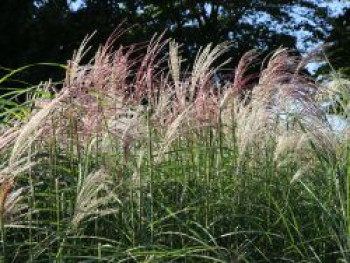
150,170
348,193
3,240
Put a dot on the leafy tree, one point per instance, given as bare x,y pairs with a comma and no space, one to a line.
49,30
249,24
16,21
339,52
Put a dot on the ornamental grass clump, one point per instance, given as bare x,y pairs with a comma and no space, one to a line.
135,158
95,194
12,207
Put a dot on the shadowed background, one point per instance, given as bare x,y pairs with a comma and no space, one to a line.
50,30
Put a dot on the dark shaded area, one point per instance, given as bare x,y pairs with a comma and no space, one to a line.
50,30
338,53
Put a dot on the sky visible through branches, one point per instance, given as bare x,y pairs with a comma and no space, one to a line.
298,14
336,7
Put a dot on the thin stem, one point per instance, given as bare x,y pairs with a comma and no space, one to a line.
2,229
150,167
348,193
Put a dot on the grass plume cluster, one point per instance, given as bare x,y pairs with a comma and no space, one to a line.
133,158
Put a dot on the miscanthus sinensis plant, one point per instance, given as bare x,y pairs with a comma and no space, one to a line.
133,158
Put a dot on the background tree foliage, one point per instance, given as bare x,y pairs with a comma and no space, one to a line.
339,51
49,30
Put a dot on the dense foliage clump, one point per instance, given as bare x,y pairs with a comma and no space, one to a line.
137,159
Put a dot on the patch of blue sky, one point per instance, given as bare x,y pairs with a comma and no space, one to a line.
75,4
302,15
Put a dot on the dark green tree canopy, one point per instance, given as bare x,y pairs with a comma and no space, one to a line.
16,23
49,30
339,51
